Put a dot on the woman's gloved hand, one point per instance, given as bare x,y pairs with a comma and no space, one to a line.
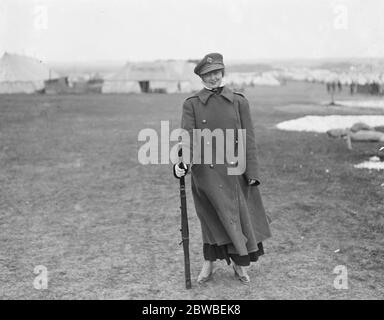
180,169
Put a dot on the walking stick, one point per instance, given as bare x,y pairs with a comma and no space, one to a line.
184,229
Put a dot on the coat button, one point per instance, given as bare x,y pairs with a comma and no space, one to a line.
208,142
211,166
204,121
237,141
220,185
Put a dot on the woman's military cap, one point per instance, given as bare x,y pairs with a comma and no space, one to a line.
211,62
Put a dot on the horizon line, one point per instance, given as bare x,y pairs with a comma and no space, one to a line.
227,61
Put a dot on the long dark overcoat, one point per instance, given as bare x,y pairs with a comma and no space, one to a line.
231,212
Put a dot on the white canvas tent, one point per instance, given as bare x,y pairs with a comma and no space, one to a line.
21,74
161,76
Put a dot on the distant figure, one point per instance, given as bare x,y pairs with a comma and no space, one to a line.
351,87
339,86
333,86
328,87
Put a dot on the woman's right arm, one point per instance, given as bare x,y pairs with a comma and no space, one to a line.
188,123
184,162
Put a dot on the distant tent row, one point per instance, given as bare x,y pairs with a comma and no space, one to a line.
252,78
20,74
327,76
158,76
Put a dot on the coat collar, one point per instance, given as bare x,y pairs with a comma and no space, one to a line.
205,94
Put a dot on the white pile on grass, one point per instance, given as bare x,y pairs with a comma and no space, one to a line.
322,124
362,103
372,165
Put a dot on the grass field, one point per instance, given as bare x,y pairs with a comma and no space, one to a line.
75,199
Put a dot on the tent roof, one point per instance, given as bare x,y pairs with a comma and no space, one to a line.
156,71
15,67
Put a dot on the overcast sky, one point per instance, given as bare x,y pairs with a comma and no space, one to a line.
89,30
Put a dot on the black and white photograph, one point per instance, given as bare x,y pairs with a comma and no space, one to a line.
205,150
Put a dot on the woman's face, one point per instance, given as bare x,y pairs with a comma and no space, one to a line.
213,79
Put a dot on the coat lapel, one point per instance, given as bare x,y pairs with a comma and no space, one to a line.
204,95
227,93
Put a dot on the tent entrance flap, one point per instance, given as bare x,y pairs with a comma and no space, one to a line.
144,86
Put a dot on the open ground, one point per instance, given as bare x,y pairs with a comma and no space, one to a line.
74,199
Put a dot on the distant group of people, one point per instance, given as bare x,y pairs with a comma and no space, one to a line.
373,88
331,86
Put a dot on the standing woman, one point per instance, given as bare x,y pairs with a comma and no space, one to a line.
229,207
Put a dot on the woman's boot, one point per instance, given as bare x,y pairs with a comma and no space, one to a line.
206,272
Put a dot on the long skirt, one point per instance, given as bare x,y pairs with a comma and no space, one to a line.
214,252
